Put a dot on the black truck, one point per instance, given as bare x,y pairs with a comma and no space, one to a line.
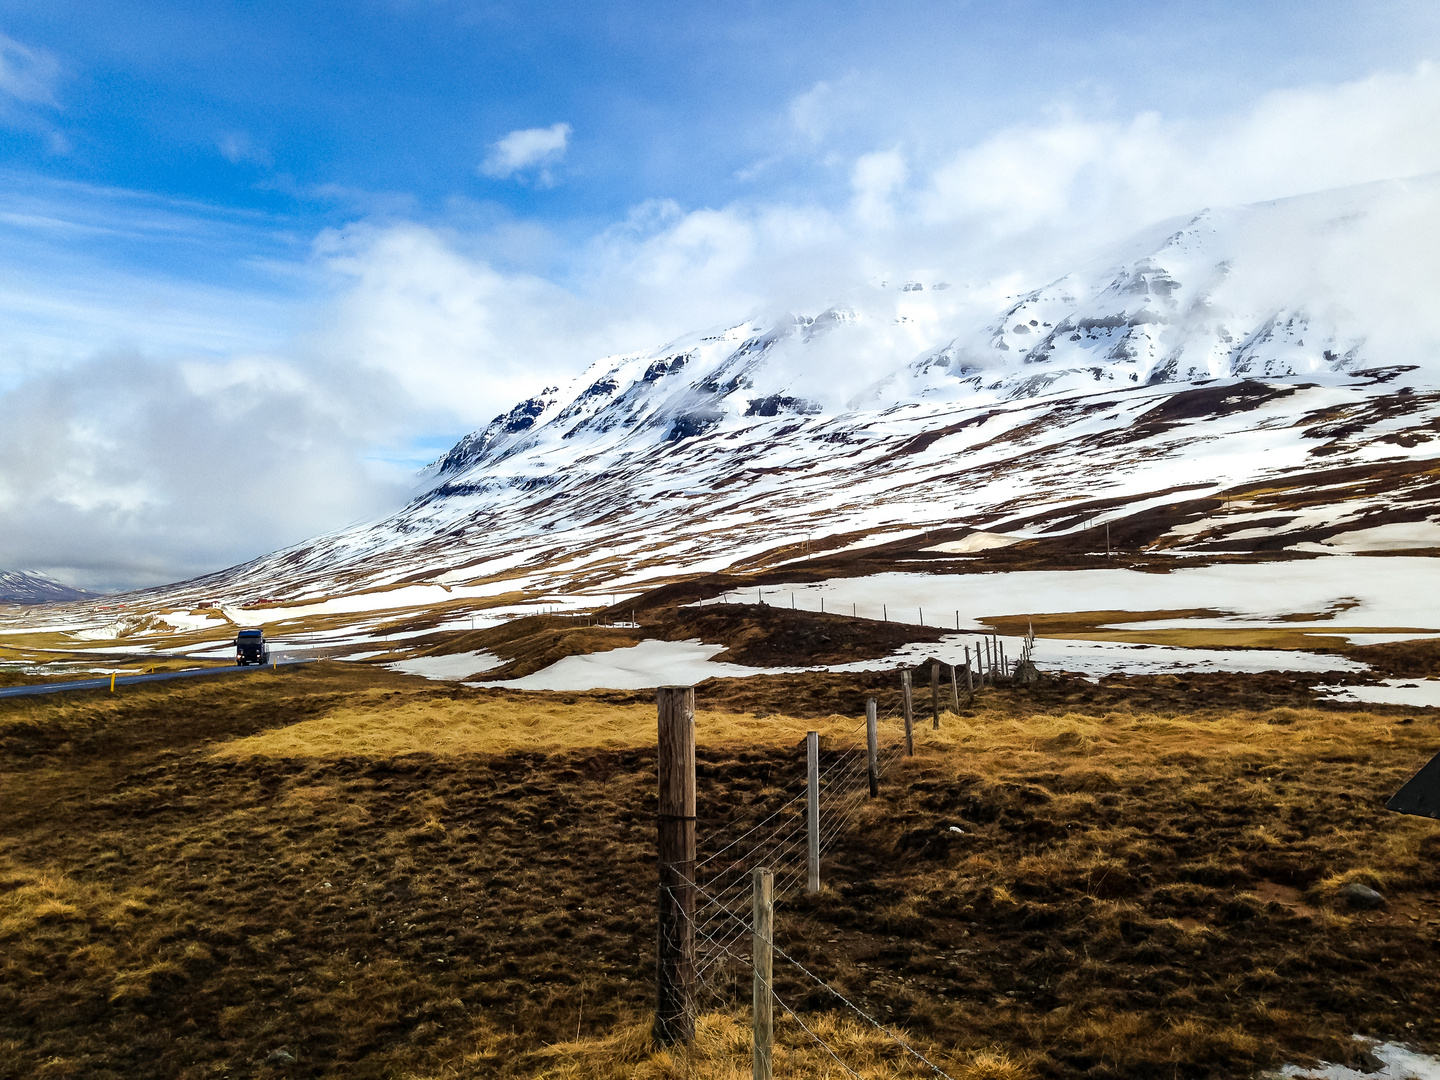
250,648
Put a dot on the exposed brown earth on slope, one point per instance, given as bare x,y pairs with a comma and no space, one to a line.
760,635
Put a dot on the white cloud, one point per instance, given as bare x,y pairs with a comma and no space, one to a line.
524,150
456,335
237,146
826,107
127,471
876,179
27,74
1099,177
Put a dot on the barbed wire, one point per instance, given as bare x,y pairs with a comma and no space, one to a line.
844,788
744,927
779,838
862,1013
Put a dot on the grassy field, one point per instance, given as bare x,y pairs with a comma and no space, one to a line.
387,878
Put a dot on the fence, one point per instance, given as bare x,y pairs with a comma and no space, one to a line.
716,911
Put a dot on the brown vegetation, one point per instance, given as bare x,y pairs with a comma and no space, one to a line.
382,877
1404,659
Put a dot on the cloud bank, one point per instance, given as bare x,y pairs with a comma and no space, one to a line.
125,470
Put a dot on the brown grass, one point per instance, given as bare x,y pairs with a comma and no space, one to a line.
384,724
390,879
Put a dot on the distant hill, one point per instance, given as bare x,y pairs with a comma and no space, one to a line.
19,587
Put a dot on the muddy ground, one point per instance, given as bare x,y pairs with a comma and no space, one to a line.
1145,884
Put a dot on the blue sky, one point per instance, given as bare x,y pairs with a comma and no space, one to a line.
314,114
349,232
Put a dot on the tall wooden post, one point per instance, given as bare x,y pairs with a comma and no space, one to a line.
935,694
762,949
954,689
812,809
675,822
908,693
872,746
969,673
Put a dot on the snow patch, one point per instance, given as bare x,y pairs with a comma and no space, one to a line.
1371,592
976,541
637,667
1397,536
1400,1063
454,667
1414,693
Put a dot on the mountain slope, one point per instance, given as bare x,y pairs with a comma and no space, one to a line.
19,587
1224,382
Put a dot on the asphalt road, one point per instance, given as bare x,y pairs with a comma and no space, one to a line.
129,680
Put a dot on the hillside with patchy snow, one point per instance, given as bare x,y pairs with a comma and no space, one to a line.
1254,378
20,587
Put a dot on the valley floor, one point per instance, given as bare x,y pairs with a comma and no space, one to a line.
344,871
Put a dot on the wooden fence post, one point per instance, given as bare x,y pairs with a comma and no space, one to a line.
907,691
969,673
954,689
812,808
675,828
872,746
762,949
935,695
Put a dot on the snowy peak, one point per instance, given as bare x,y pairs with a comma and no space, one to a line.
1203,303
1222,294
681,390
19,587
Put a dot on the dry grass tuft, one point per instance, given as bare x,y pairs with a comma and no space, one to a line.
387,725
722,1051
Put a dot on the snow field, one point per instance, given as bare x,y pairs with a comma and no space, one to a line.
1354,591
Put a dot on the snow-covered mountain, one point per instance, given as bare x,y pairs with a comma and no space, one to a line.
1269,347
19,587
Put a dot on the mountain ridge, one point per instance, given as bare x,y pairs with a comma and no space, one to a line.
1209,356
25,587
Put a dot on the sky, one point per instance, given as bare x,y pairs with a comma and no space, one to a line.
260,262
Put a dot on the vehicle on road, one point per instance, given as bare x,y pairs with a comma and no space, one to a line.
250,648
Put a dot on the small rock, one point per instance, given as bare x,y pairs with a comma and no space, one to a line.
1361,896
1369,1063
279,1057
